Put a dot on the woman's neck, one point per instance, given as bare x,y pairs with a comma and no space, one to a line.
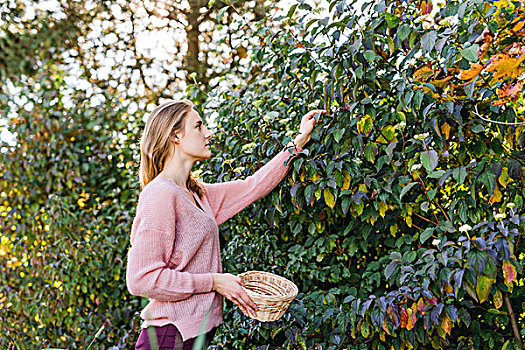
178,170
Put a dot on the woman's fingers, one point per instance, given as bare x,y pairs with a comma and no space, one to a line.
314,112
246,309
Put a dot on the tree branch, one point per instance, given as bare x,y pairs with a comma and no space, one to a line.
512,317
493,121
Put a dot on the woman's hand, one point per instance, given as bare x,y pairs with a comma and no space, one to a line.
307,126
230,286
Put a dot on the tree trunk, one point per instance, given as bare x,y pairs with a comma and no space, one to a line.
192,64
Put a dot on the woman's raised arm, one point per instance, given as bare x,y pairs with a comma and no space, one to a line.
228,198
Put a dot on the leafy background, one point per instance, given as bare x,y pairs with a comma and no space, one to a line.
401,223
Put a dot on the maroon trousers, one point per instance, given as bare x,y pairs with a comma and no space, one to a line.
168,338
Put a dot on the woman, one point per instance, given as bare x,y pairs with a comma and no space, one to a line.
174,259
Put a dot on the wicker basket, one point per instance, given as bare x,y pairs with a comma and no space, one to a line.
271,293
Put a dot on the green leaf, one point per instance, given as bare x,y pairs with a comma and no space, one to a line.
338,134
428,41
389,270
403,32
221,13
470,53
406,189
370,55
371,152
391,20
426,234
292,10
477,128
429,159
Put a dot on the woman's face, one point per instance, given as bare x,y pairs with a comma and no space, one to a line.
195,140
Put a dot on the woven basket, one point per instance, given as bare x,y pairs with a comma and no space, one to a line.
271,293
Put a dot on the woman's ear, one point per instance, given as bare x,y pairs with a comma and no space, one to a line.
175,138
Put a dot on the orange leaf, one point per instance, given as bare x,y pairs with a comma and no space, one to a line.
448,289
509,272
385,326
468,74
510,91
403,317
505,66
420,305
518,26
484,40
426,7
446,324
445,129
496,196
432,301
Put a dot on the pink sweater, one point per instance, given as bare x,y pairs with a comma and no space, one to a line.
175,247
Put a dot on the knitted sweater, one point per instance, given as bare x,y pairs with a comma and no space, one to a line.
175,246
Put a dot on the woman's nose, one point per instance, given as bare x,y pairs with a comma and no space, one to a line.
208,134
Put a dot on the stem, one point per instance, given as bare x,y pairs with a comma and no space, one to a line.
512,316
426,193
427,220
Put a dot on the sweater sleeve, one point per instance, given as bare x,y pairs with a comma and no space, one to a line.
228,198
152,241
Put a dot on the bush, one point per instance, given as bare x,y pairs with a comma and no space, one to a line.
401,223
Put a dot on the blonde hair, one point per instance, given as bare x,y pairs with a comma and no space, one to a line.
165,120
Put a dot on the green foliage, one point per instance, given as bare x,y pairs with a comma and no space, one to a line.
67,201
401,222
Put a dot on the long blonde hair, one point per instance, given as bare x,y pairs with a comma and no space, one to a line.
165,120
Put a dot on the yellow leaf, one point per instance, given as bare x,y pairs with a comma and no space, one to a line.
363,188
359,208
498,300
393,230
412,316
408,220
317,193
445,129
388,134
468,74
504,178
441,83
483,287
329,198
496,196
383,207
302,176
365,125
346,180
315,177
501,3
423,74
